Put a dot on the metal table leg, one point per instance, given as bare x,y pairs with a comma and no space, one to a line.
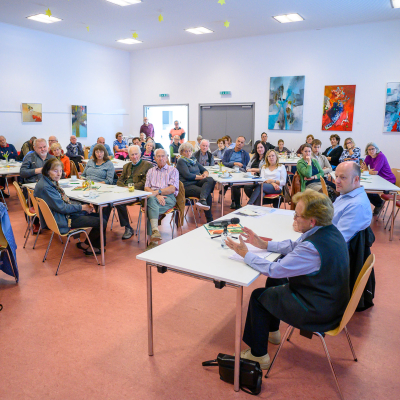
238,336
392,223
222,199
261,193
103,261
149,309
145,224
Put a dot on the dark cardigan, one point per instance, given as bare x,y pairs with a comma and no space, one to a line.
334,154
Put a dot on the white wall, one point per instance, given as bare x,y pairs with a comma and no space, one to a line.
364,55
58,72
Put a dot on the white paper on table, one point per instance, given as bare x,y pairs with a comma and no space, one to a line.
255,250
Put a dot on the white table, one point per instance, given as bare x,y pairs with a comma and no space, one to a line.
212,263
11,170
118,164
108,194
288,160
377,184
237,178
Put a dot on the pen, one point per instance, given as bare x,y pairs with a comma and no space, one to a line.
213,237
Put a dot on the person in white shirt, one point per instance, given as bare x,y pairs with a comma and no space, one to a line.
274,175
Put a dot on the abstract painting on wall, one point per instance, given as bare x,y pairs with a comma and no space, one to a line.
286,99
79,121
392,110
338,108
31,112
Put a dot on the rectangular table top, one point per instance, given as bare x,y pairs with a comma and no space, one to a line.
237,177
374,183
107,193
195,252
13,169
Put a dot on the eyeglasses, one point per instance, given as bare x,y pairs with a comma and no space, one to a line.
349,142
371,148
295,215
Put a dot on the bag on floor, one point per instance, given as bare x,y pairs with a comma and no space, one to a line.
250,378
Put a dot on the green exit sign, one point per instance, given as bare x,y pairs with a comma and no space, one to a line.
226,92
164,95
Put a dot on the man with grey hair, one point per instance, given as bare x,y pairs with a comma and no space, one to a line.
162,181
133,173
31,168
352,210
203,155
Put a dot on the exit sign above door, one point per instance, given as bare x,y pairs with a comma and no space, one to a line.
225,92
164,95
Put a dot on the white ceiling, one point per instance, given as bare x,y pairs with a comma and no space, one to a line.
108,22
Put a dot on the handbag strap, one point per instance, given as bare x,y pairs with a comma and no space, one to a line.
257,390
211,363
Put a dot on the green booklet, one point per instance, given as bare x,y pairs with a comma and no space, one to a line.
216,230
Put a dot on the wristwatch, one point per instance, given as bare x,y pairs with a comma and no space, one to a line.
159,192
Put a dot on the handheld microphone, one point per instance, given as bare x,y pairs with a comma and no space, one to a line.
225,222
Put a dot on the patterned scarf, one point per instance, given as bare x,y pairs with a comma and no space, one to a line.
190,161
61,191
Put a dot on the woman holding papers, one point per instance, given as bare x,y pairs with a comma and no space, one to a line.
317,293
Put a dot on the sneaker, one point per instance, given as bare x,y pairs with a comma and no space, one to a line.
128,233
152,245
203,204
155,235
264,361
377,210
233,206
274,337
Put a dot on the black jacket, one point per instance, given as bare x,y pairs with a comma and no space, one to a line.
334,154
359,251
268,146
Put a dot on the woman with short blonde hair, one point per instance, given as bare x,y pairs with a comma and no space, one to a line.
350,152
66,162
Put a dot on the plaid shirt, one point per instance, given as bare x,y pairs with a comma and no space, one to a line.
160,178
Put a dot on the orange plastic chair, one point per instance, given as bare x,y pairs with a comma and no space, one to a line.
324,188
52,225
358,290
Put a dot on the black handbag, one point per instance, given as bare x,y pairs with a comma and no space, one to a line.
250,377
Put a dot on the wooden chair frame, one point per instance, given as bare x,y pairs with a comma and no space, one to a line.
358,289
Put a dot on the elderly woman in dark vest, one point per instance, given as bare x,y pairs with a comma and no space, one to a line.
317,292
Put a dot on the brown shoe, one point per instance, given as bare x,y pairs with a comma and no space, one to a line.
155,235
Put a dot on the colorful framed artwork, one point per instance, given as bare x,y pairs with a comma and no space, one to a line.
31,112
392,108
79,121
286,99
338,108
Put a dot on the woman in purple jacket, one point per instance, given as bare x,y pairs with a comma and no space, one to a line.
377,164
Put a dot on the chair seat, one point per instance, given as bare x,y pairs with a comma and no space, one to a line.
32,210
271,196
72,231
387,197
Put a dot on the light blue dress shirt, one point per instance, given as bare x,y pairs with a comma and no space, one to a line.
110,153
352,213
301,258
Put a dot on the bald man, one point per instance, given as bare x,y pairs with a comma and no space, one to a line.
102,141
352,209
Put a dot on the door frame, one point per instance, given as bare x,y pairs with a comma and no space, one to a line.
170,105
253,104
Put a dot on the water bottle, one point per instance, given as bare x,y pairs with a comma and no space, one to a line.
224,236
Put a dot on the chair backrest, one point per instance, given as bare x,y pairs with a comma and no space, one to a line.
86,153
74,171
22,199
33,201
48,216
324,188
3,240
396,172
296,187
357,291
81,167
192,142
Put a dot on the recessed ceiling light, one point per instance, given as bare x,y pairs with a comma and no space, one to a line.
395,3
199,31
288,18
125,2
44,18
129,41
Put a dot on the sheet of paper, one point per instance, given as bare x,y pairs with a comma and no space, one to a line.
255,250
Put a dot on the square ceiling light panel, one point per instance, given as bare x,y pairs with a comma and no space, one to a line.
44,18
129,41
199,31
288,18
125,2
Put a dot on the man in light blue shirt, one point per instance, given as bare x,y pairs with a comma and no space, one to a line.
352,209
102,141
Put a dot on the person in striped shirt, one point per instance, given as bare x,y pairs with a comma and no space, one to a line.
162,181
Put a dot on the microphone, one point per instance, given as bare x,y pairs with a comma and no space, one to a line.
225,222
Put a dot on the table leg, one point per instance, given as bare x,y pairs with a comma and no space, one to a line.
238,336
145,222
149,309
222,199
392,223
261,193
103,262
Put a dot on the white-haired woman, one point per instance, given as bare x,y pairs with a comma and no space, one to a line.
195,179
148,152
377,164
318,290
